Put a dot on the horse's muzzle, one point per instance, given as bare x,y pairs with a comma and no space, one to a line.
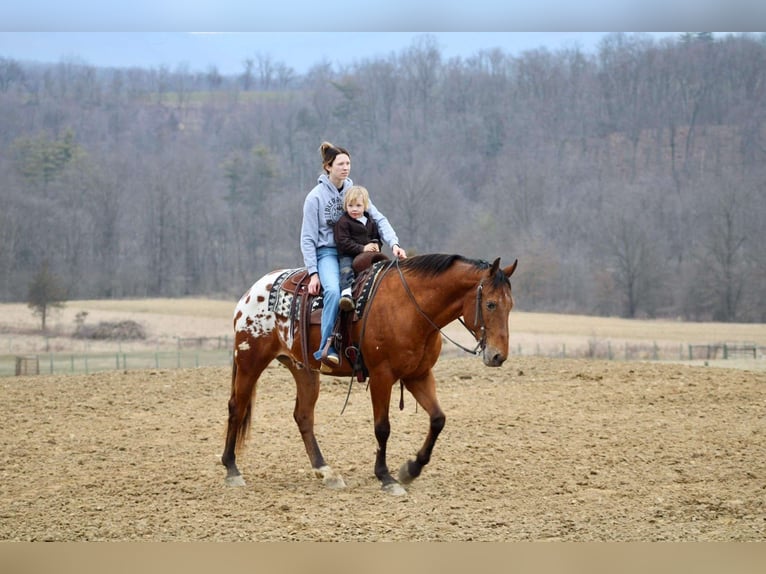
493,358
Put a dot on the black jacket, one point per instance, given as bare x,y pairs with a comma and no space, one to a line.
351,235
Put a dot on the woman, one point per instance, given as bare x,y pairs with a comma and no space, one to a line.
321,209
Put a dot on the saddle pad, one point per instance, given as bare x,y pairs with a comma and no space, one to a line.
362,293
281,300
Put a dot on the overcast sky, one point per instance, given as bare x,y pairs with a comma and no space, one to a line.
227,51
299,33
380,15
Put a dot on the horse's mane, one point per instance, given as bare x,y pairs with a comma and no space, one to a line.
434,264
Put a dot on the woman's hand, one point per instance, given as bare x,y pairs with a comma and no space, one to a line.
314,284
399,252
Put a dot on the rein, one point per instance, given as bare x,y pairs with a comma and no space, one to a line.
478,320
481,342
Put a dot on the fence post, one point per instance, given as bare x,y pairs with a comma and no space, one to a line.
725,351
28,365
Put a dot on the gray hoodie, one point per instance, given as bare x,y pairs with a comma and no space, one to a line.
321,209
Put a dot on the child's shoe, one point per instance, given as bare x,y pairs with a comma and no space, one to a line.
346,300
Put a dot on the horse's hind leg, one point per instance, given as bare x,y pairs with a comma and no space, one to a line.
424,391
248,366
307,393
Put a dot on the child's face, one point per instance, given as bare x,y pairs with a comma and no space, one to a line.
355,208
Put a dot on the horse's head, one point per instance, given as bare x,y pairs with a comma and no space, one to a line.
486,311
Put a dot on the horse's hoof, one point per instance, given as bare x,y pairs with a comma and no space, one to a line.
235,480
334,482
404,474
394,489
330,478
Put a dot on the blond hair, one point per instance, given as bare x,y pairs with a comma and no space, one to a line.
356,192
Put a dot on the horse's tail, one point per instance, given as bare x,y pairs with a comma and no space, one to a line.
244,427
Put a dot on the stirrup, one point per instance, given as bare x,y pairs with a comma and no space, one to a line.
326,358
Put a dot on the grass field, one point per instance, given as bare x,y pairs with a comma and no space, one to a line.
187,331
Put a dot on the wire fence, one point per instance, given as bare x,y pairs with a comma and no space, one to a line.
217,352
84,363
634,351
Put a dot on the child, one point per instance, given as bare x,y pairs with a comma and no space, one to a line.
355,233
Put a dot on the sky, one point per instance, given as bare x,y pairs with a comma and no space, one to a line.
198,34
376,15
227,51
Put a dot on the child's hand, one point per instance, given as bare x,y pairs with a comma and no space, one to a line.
371,247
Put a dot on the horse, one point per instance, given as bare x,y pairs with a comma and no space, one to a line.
399,336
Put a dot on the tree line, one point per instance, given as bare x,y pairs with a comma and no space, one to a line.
630,181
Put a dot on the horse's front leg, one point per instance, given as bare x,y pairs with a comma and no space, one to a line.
307,385
424,391
381,398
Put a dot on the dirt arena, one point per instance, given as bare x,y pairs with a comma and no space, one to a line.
539,449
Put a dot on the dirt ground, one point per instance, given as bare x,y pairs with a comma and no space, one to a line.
539,449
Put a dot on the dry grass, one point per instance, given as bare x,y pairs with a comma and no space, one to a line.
650,330
165,320
191,307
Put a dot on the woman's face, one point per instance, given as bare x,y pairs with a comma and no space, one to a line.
339,170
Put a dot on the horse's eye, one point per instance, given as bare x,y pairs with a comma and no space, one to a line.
491,306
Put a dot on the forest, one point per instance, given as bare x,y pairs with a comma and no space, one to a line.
630,181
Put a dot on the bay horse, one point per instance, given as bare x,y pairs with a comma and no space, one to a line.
399,336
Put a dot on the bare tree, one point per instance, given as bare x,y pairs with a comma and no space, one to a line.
608,173
723,245
246,78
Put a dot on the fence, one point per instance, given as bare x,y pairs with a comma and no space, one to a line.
631,350
216,351
726,350
84,363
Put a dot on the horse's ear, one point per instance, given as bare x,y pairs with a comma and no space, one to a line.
495,267
509,270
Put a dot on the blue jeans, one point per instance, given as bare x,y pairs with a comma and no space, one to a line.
346,271
329,276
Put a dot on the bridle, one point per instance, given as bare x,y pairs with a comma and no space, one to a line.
481,340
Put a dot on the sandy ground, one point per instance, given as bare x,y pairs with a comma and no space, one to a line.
539,449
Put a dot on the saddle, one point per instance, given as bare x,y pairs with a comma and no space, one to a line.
289,296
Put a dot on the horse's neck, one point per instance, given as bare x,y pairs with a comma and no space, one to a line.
451,287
